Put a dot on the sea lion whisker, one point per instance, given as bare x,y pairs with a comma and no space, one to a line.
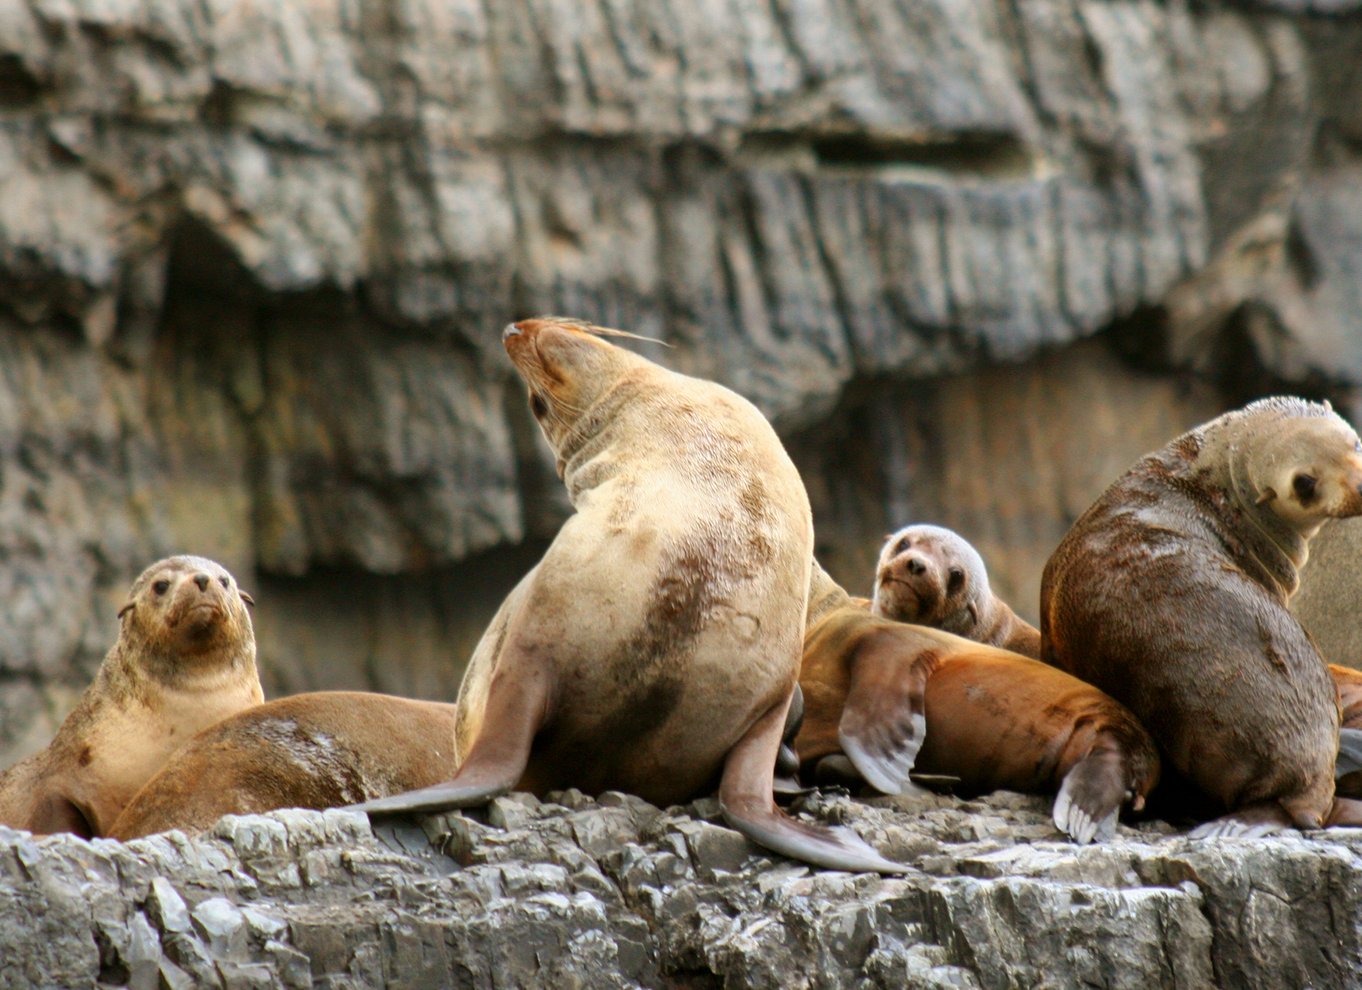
597,330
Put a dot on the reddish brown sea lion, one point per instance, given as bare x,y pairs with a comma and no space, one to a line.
896,697
1170,594
932,576
655,648
319,750
185,657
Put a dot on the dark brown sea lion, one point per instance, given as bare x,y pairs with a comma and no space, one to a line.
932,576
896,697
1170,594
655,648
184,659
319,750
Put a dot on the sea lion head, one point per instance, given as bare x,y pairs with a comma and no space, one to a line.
568,368
1301,462
931,576
185,611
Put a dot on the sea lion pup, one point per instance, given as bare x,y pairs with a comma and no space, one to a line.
319,750
896,697
184,659
932,576
655,647
1170,594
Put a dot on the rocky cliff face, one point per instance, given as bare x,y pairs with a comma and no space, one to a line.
972,257
616,893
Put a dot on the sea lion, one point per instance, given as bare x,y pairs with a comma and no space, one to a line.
1170,594
932,576
655,647
318,750
896,697
184,659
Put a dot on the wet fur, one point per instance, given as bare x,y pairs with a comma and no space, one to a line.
169,675
318,750
1170,594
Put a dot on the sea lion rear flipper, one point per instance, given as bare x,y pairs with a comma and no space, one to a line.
496,761
1091,796
1349,752
884,720
745,796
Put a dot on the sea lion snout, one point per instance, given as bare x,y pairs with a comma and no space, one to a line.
202,579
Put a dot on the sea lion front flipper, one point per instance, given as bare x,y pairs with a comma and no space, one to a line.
1251,822
884,721
496,761
745,797
1091,796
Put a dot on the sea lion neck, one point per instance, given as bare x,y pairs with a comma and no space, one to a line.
140,664
1262,541
588,453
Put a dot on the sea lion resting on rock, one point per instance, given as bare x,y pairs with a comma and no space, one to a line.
932,576
318,750
655,647
184,659
1170,594
897,697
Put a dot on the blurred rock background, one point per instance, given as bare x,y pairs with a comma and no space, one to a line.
972,257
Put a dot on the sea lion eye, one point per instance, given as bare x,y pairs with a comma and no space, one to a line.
538,406
161,587
904,544
955,581
1304,486
225,582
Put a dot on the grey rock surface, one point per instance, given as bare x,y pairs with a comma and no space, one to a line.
617,893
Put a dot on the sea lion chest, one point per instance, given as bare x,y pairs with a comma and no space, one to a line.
132,739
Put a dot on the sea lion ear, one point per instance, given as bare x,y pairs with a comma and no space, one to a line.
245,596
127,607
1266,495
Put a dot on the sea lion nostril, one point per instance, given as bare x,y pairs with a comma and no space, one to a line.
202,581
916,566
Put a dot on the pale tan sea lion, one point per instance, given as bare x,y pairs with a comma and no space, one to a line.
896,697
655,648
1170,594
184,659
319,750
932,576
